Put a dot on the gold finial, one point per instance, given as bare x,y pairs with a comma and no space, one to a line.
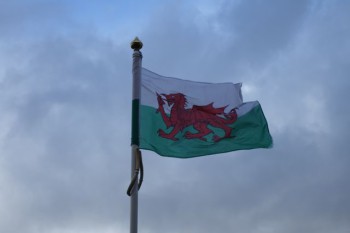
136,44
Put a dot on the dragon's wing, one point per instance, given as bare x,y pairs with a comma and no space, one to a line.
209,108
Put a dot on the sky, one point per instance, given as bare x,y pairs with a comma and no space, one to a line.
65,107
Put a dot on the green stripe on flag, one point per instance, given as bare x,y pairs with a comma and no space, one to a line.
249,131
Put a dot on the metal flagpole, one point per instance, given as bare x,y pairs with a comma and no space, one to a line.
136,45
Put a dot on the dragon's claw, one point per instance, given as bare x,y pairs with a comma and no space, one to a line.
216,138
163,134
160,100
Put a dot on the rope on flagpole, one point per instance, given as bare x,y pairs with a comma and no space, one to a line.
138,170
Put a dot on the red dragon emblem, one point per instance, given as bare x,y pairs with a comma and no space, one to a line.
200,117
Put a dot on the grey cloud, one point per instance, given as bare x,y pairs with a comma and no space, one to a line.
259,30
65,104
62,149
23,19
298,68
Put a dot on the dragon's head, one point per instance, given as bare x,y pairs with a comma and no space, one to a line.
177,98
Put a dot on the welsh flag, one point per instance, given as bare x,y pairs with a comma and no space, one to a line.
184,119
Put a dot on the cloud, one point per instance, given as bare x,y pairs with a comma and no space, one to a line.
61,134
23,20
298,75
65,119
259,30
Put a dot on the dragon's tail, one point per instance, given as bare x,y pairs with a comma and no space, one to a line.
231,116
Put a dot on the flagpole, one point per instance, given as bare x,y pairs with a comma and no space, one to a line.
136,45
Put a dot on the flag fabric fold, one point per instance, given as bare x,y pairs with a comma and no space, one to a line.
184,119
